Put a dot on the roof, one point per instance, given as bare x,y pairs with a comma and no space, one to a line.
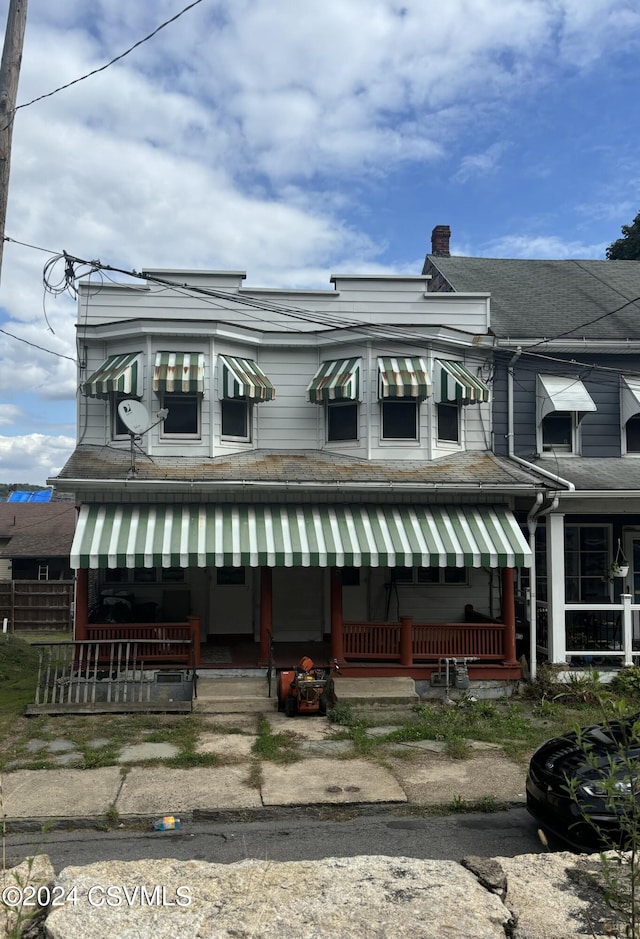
597,473
460,470
37,529
540,299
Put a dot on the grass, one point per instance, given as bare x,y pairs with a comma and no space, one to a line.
277,748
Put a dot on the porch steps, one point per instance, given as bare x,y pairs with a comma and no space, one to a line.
224,695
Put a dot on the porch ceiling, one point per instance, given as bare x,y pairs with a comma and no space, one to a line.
357,535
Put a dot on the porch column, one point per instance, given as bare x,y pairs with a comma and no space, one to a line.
81,606
337,626
406,641
557,634
509,616
266,613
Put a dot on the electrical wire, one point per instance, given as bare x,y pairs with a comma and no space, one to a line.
117,58
60,355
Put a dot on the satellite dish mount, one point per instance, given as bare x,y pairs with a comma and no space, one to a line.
135,418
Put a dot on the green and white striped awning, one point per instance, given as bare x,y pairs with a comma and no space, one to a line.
403,377
179,372
297,536
337,380
120,373
455,384
243,378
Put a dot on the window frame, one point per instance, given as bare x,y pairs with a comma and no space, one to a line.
442,581
447,441
625,438
182,398
573,449
334,406
399,402
248,416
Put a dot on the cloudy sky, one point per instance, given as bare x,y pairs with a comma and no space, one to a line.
298,139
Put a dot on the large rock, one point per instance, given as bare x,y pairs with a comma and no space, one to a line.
19,896
537,896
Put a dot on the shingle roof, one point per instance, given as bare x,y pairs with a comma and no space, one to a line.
471,468
597,473
540,299
37,529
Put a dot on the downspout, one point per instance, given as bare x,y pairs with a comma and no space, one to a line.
510,436
532,524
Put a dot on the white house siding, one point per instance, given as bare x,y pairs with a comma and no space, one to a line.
439,603
5,569
298,603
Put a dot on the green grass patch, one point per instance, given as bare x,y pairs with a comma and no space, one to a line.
278,748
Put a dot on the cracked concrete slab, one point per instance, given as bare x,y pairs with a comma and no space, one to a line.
60,793
156,791
435,779
226,745
325,781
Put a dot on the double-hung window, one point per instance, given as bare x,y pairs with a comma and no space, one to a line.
336,386
403,383
178,380
242,383
561,403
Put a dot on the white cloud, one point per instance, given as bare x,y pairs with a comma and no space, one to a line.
541,246
480,164
33,457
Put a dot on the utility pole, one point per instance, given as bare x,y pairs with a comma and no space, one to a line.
9,75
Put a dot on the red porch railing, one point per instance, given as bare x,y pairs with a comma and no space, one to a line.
383,641
168,633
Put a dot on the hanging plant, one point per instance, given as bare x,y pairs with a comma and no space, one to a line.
619,567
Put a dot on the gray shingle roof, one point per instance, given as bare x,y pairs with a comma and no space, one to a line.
265,466
540,299
597,473
37,529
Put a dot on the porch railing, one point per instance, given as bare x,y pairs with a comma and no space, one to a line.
163,639
428,642
606,631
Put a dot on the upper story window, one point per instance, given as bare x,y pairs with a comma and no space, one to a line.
403,383
242,383
178,379
429,575
448,418
336,384
630,413
561,403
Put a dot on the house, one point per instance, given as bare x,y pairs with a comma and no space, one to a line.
36,579
284,468
566,400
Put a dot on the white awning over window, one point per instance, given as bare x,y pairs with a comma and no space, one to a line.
120,374
630,398
561,393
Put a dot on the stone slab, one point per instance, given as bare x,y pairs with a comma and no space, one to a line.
306,727
60,793
370,690
156,790
435,779
327,781
226,745
139,752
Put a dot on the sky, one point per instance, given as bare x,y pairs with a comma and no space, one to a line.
295,140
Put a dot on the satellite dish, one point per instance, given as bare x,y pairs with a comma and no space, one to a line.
134,416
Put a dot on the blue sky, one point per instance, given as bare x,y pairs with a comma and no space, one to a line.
295,140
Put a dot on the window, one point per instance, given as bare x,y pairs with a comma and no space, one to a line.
342,421
558,432
117,426
230,576
350,576
400,419
586,554
633,434
183,418
429,575
448,416
236,414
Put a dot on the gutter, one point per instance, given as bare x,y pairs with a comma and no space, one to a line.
533,515
510,435
87,485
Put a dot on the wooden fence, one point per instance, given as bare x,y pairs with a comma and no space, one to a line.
424,642
37,605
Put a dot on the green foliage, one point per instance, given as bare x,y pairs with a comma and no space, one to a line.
580,689
17,658
458,748
279,748
342,714
626,248
627,683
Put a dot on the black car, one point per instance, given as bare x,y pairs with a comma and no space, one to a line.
585,787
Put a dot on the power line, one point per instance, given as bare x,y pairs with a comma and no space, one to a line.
60,355
102,68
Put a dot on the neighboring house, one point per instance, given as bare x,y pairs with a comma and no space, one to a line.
566,399
36,579
323,468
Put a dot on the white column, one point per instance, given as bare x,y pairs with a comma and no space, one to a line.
555,588
627,628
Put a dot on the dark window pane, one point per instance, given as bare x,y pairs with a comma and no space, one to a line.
230,576
342,420
400,420
402,575
557,431
183,414
455,575
449,422
235,419
428,575
350,576
119,429
633,434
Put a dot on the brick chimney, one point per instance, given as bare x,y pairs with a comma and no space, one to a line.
440,241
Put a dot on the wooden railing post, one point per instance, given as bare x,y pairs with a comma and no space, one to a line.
81,610
406,641
194,632
337,627
266,613
509,616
